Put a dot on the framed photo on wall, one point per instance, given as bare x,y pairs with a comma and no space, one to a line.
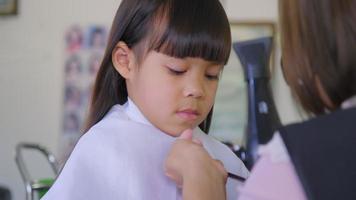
8,7
230,109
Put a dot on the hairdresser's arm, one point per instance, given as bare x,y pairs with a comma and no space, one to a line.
192,168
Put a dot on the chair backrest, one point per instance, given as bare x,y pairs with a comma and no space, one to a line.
31,184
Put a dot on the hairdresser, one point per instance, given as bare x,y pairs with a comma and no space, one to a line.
314,159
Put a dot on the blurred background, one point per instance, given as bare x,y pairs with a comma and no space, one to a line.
35,81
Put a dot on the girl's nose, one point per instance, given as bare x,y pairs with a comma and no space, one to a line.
194,89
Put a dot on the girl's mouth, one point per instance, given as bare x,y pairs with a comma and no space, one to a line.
188,114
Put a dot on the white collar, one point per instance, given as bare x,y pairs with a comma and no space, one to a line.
134,113
349,103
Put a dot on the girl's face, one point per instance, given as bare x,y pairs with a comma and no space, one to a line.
174,94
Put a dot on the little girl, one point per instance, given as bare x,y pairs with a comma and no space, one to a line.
158,77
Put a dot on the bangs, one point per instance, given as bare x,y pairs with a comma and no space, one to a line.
179,31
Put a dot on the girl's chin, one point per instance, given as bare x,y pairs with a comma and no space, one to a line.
177,132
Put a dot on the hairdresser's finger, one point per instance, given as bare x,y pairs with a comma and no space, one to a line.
220,166
187,134
197,141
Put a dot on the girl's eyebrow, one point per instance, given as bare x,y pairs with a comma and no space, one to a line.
174,60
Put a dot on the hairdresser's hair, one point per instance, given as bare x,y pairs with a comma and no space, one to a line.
178,28
319,42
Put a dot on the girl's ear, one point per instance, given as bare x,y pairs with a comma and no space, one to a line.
123,59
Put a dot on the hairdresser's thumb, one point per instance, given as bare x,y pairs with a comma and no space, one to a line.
187,134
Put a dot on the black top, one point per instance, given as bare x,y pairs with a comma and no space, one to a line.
323,152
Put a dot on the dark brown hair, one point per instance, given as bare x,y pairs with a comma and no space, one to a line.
319,42
178,28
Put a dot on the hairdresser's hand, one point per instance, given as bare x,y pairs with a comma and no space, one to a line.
192,168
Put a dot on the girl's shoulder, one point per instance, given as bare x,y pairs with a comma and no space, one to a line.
115,123
117,133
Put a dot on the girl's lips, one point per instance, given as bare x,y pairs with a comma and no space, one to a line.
188,114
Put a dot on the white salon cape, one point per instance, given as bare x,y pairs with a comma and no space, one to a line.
122,157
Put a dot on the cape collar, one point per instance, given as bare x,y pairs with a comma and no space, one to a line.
134,113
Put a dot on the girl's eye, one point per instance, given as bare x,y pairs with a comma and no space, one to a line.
212,77
176,72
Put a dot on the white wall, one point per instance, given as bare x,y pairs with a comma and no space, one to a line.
31,78
252,9
31,75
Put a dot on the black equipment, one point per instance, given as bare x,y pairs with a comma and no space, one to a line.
263,118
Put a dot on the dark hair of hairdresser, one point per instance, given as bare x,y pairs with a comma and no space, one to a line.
319,51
